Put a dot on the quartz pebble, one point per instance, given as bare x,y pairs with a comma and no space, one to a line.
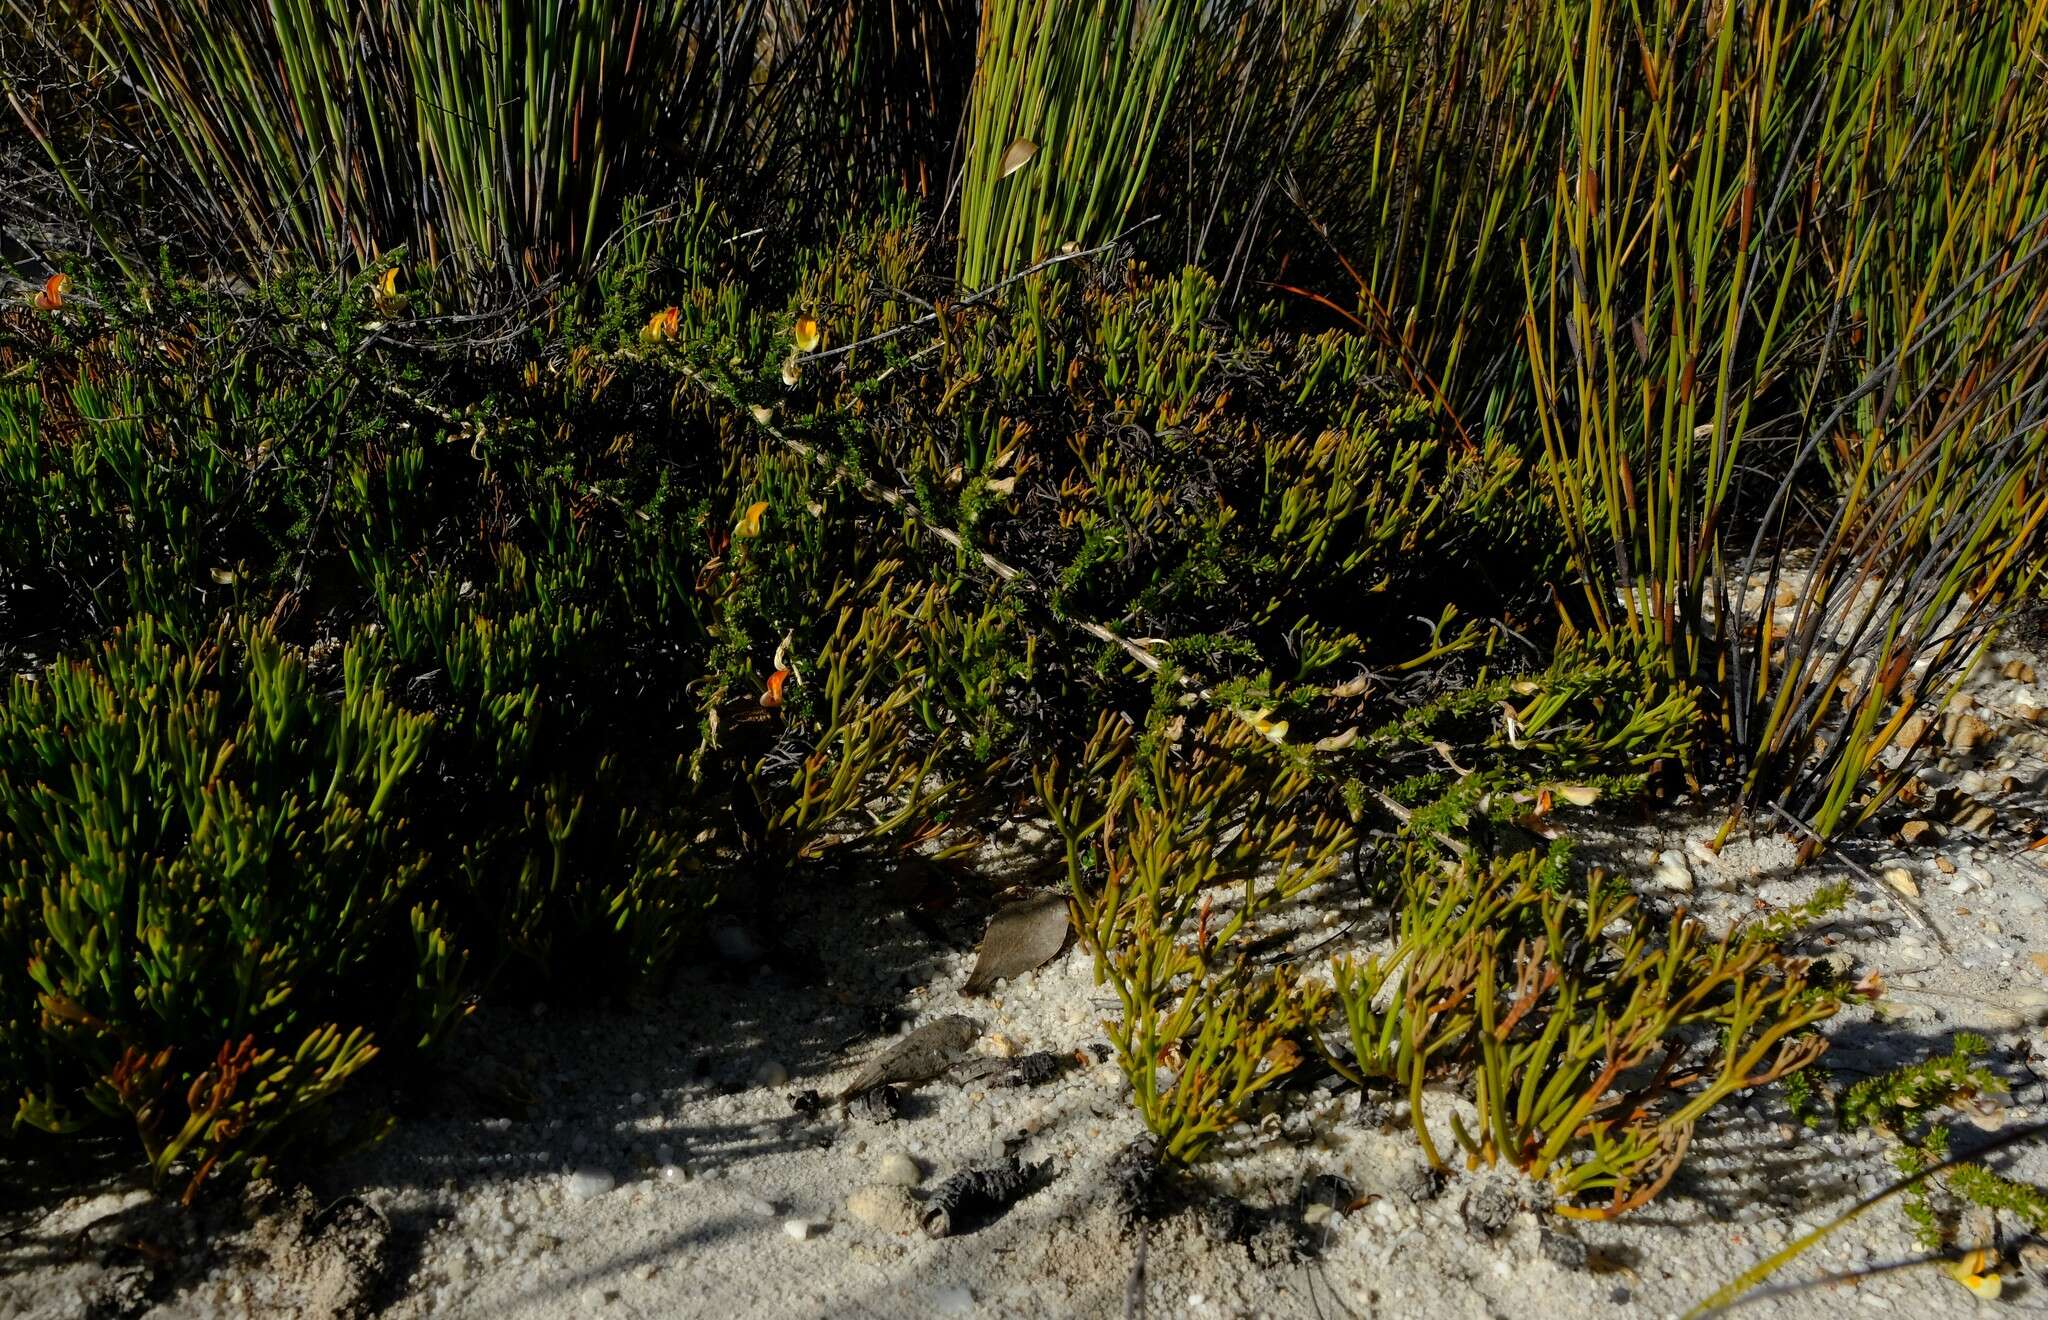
1672,872
585,1184
800,1229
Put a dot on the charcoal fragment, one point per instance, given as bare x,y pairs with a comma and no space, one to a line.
806,1103
1032,1069
977,1194
1563,1249
884,1104
1137,1183
1488,1209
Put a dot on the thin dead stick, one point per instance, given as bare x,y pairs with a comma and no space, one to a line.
1134,1285
1919,918
972,299
903,502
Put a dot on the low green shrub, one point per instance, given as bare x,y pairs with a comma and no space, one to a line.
1154,837
1595,1043
210,878
1909,1104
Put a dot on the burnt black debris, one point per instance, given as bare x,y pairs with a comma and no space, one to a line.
884,1104
1137,1184
1032,1069
1488,1209
974,1196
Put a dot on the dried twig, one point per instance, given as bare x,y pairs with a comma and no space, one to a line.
1919,918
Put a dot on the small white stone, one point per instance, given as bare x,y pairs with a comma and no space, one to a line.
762,1207
953,1299
646,1271
585,1184
800,1229
899,1170
771,1073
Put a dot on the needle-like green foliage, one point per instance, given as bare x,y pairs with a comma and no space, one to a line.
209,888
1596,1043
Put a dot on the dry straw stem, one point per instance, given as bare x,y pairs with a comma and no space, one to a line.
1742,1290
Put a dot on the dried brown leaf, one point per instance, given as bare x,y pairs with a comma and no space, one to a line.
1020,937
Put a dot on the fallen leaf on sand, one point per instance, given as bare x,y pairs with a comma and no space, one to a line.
1020,937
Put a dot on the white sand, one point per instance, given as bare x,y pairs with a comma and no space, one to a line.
654,1176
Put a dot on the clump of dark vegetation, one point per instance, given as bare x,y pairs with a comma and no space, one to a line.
463,516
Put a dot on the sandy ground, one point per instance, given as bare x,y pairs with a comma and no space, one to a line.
648,1160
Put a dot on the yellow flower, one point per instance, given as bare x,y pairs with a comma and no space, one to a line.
808,334
1274,731
1978,1271
51,296
384,295
664,324
749,525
